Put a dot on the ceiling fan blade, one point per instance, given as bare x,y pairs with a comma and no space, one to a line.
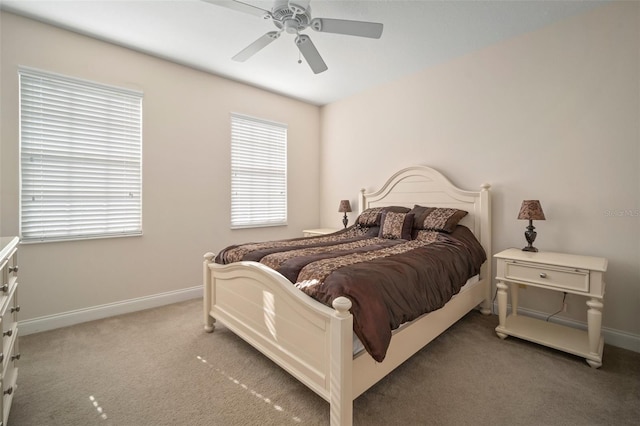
343,26
241,7
310,54
256,46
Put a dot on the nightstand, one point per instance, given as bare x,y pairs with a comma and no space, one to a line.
319,231
568,273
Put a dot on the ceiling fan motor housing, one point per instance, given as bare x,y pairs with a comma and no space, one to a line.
290,17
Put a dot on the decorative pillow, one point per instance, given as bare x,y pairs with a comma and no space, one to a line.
373,216
369,217
420,213
395,226
436,218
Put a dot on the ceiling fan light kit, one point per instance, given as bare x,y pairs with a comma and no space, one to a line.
293,17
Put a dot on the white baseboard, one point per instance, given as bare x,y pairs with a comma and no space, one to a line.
621,339
613,337
78,316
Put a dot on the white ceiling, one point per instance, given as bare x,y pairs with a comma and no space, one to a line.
417,34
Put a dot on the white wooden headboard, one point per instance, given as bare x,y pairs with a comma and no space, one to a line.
428,187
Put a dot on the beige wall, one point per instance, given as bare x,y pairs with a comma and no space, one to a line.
185,171
550,115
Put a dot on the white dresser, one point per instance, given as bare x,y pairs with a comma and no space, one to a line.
9,309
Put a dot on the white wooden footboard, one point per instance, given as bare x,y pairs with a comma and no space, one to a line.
312,342
308,339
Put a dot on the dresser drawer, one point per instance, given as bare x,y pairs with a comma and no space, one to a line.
8,384
9,319
10,352
548,276
9,268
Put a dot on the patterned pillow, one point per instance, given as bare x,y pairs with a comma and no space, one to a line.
436,218
369,217
373,216
395,226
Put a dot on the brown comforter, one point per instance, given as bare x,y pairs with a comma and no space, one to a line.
389,282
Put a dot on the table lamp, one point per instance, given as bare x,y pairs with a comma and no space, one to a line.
345,207
531,210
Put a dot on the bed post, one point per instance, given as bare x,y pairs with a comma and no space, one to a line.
361,206
206,283
485,239
341,381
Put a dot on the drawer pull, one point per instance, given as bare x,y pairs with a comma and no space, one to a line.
543,275
13,269
9,391
8,333
1,356
15,309
15,357
5,288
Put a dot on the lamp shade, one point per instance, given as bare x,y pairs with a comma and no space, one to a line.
531,210
345,206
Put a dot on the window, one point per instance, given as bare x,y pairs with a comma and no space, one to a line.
80,158
258,172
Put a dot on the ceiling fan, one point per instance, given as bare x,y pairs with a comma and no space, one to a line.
293,17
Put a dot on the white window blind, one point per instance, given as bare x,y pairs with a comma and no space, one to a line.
80,158
258,172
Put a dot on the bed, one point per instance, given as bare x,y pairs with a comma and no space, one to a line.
315,342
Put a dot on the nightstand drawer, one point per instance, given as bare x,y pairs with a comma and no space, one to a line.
548,276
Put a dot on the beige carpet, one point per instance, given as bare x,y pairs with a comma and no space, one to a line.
158,367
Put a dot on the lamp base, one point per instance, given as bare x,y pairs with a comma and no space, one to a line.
530,236
345,220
